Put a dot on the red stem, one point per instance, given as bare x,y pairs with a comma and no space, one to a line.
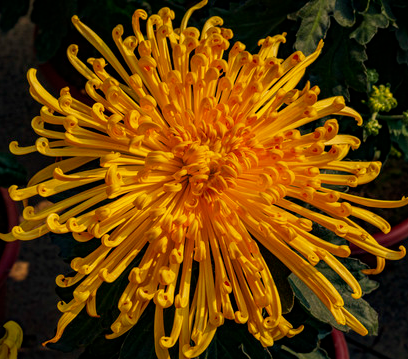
396,235
340,344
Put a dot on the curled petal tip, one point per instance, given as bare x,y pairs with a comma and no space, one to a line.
75,19
403,251
140,13
201,4
7,237
156,158
31,72
357,294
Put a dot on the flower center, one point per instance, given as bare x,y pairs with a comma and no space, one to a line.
206,161
204,169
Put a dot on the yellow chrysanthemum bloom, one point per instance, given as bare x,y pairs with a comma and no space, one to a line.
199,157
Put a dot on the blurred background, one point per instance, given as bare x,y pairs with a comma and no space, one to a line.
365,59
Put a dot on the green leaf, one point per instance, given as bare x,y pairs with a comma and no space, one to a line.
318,353
380,145
372,21
212,352
361,5
357,307
11,172
402,37
85,330
139,343
282,352
103,348
386,9
280,275
344,13
314,330
402,57
80,332
341,65
233,341
399,135
402,34
252,20
103,15
11,11
315,17
367,285
355,267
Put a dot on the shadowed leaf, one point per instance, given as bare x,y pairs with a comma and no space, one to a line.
357,307
11,172
344,13
315,17
341,65
372,21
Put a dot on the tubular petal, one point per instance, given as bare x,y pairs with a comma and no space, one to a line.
186,168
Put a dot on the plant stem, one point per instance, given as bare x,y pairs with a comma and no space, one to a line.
382,117
390,117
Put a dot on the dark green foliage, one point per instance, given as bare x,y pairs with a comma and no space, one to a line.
341,66
340,69
11,172
357,34
401,34
314,330
85,330
373,19
232,340
344,13
53,19
399,134
280,275
252,20
70,248
357,307
315,21
11,11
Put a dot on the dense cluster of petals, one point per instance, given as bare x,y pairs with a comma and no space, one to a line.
192,162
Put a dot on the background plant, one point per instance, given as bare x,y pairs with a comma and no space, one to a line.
359,34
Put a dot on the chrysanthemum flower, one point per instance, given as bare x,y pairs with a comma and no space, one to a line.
193,160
